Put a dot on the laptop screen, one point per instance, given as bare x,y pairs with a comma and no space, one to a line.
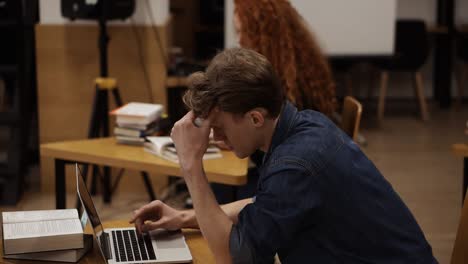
89,209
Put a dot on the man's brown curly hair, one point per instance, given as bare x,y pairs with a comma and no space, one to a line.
236,81
276,30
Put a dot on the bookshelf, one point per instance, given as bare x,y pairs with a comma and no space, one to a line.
18,94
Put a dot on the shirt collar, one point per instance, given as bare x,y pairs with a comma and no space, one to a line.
285,122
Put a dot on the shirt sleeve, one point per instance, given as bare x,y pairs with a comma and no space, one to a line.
286,201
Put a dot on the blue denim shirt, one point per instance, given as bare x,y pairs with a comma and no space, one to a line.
321,200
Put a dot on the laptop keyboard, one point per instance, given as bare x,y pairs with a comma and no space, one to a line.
129,247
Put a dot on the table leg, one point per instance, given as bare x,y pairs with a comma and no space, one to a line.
96,175
465,178
60,197
148,186
106,184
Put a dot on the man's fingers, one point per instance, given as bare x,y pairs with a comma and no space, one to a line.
198,122
137,219
138,225
190,115
134,217
206,122
139,213
148,226
146,212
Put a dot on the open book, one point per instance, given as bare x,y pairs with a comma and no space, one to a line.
42,230
66,255
164,148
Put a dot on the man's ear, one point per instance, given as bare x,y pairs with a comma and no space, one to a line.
257,118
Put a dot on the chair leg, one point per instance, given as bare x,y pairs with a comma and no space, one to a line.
420,94
371,85
460,83
348,83
383,93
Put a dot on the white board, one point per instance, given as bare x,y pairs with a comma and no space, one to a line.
342,27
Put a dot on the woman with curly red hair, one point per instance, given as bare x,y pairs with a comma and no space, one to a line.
275,29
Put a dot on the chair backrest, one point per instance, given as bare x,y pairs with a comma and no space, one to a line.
460,248
411,43
351,116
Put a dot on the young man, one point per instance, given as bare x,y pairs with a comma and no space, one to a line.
319,199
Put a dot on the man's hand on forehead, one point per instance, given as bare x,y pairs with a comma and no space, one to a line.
199,121
191,137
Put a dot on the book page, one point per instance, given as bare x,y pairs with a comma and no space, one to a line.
43,228
159,143
38,215
164,147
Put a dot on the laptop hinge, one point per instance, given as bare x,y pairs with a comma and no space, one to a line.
105,243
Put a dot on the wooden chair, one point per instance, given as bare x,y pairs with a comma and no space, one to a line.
460,248
351,117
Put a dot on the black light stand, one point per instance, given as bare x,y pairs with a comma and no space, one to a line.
99,121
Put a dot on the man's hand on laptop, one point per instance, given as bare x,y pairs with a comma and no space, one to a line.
156,215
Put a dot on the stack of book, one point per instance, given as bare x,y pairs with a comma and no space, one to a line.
48,235
135,121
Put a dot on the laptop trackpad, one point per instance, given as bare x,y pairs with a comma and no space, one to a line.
167,239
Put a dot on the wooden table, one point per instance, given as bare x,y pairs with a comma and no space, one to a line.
197,244
106,152
461,150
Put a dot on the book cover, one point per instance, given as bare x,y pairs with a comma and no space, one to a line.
137,113
134,126
130,140
130,132
41,230
67,255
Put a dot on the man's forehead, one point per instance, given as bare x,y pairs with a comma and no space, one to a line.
221,118
218,118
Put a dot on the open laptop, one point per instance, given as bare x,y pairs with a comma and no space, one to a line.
122,245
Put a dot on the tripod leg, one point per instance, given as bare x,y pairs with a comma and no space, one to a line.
118,102
104,115
98,126
94,123
118,99
106,183
148,185
93,132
